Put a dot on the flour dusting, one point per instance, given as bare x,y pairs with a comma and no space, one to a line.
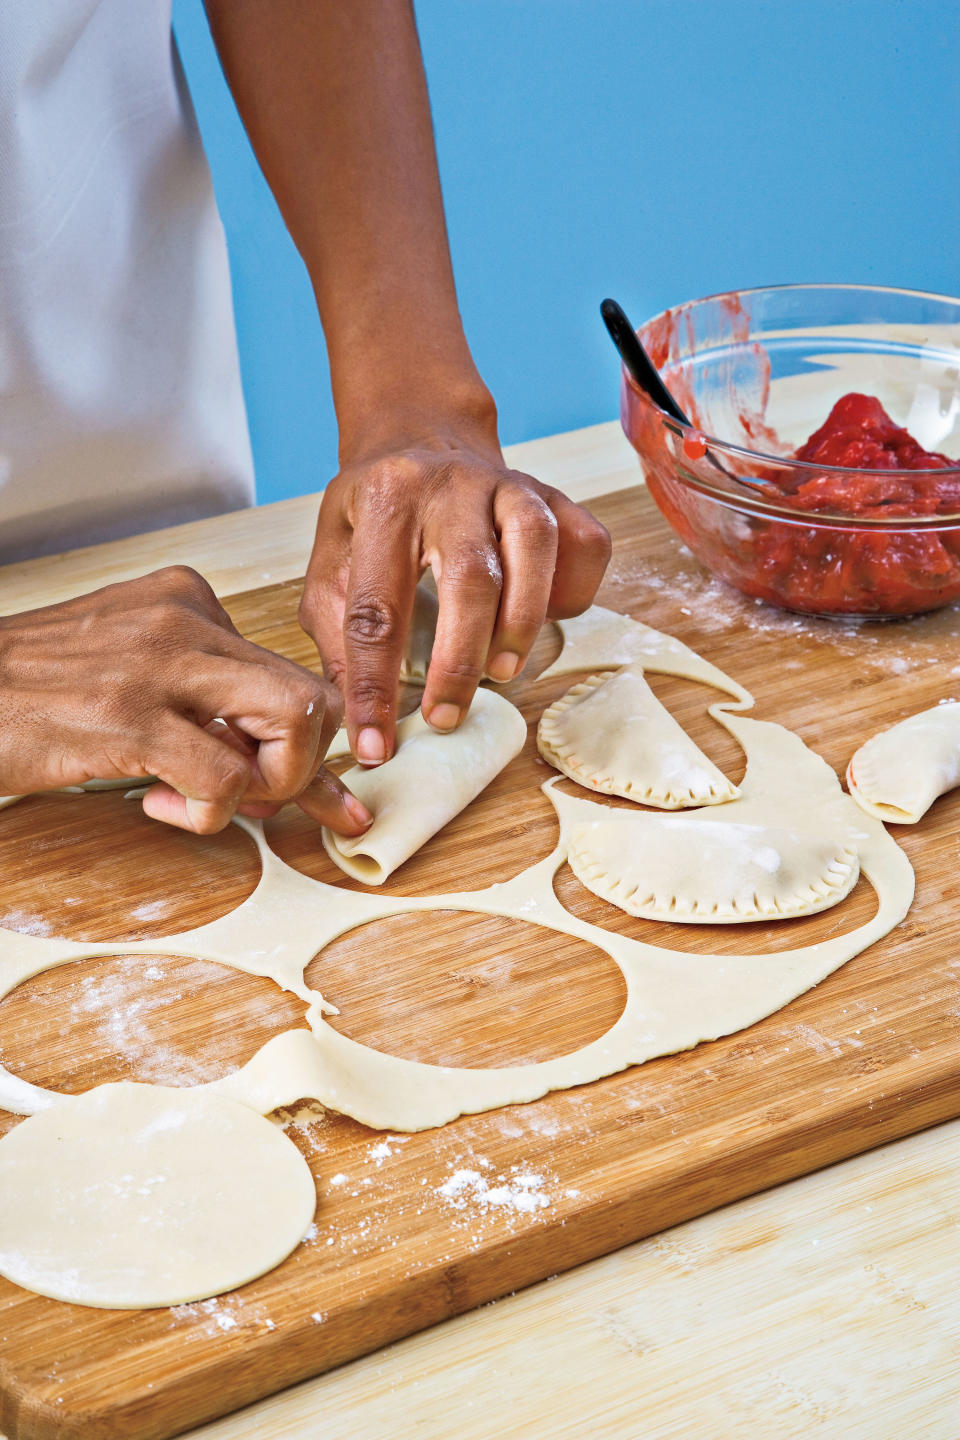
211,1319
127,1015
25,922
520,1192
386,1149
673,581
151,910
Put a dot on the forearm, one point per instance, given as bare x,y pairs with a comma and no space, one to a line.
333,96
334,100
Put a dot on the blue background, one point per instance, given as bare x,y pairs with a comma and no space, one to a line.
654,150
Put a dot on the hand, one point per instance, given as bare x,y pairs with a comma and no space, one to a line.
138,679
506,551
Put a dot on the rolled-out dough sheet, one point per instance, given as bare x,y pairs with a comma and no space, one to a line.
601,639
674,1000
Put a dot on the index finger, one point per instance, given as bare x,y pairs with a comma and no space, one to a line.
384,570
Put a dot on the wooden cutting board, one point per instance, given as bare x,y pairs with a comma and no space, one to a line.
404,1234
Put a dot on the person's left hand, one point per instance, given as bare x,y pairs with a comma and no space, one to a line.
507,552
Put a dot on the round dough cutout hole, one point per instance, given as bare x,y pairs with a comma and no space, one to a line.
162,1019
79,847
456,988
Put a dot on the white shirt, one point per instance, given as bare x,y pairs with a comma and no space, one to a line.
120,401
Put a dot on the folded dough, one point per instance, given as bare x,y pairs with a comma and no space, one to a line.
705,871
897,775
431,778
610,733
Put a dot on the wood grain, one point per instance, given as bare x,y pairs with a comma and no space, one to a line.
825,1309
871,1054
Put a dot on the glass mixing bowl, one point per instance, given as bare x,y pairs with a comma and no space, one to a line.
757,371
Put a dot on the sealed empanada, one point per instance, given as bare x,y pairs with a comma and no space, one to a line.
897,775
610,733
692,869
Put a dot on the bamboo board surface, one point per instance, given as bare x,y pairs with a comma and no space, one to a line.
824,1309
871,1054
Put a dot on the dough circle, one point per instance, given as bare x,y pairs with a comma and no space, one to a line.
132,1196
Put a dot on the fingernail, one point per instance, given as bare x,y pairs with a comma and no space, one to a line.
356,809
444,716
504,666
371,746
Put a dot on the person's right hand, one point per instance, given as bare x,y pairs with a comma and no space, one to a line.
127,681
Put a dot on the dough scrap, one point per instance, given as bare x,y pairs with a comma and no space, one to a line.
674,1000
602,639
131,1196
610,733
429,780
898,773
